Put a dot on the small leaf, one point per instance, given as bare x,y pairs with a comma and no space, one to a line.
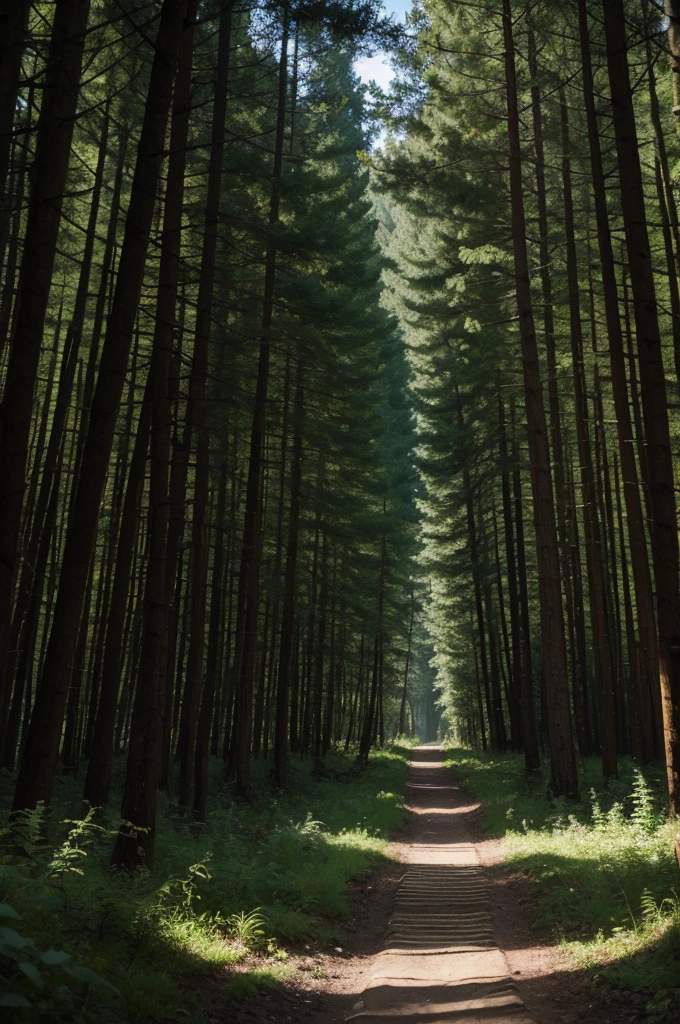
13,999
53,957
31,972
7,911
12,938
89,977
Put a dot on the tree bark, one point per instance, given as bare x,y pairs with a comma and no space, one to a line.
249,585
564,780
98,777
407,666
646,747
35,778
48,176
653,388
196,415
286,643
591,523
672,9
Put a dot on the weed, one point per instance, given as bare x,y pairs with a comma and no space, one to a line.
604,869
248,929
289,856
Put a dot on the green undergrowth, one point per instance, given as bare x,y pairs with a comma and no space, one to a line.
604,867
226,902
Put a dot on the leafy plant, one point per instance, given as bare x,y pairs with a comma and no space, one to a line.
50,973
248,929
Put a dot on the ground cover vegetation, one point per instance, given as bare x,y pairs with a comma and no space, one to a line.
240,894
604,869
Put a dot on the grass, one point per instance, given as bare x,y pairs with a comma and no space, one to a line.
604,868
226,900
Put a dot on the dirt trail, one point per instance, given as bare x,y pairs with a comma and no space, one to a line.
440,935
440,961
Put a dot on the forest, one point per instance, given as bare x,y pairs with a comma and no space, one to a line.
334,418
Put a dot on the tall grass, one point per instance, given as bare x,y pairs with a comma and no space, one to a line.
604,867
239,890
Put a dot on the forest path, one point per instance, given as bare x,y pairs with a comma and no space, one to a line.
440,961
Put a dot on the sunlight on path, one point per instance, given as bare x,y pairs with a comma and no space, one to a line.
440,962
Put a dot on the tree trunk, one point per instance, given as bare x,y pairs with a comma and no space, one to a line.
35,779
13,30
196,415
205,717
286,643
591,524
370,723
404,692
564,780
672,9
249,585
646,748
653,387
531,756
48,184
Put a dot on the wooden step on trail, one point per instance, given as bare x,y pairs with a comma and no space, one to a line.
440,963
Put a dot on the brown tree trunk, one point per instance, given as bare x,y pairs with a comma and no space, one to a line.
404,692
591,524
249,585
40,524
13,30
512,683
205,717
35,778
152,668
286,644
672,9
370,718
48,185
98,778
611,558
532,758
477,584
522,679
354,712
320,640
564,780
563,509
653,387
646,749
196,416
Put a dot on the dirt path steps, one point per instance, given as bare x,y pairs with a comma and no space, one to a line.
440,963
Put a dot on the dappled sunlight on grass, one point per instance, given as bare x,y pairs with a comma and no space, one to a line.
604,867
223,897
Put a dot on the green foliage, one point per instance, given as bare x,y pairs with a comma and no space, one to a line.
605,869
110,948
47,982
248,929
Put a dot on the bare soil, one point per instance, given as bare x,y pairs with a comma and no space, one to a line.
325,983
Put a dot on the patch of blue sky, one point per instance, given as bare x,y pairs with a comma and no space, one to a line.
377,68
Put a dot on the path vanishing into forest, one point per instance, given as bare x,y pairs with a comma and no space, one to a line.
440,961
441,934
